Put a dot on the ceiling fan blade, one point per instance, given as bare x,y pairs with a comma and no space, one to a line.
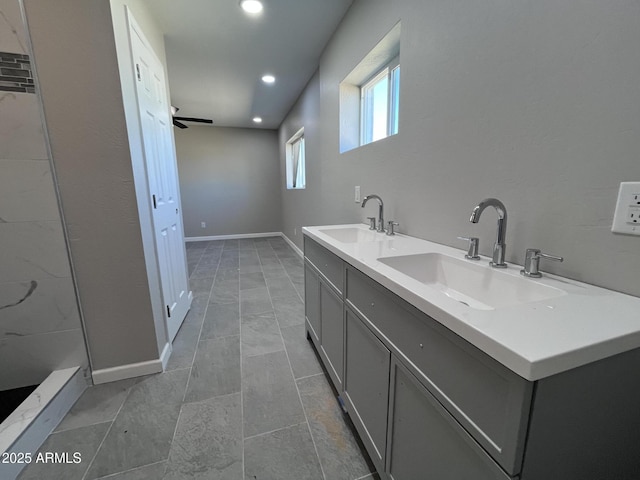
191,119
178,124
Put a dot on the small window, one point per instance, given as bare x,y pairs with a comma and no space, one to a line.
379,104
370,95
295,157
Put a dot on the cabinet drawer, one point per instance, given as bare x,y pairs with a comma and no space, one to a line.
326,262
488,399
426,442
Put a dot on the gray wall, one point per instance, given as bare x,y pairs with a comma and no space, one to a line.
229,179
303,207
535,103
75,55
40,328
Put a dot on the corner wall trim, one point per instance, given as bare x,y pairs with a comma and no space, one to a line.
131,370
233,237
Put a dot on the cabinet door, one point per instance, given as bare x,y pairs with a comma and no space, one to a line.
332,333
312,301
490,401
366,386
426,442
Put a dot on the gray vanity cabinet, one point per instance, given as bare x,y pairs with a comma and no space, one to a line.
425,441
360,329
427,404
366,386
324,307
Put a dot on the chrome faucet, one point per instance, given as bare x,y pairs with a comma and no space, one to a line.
499,247
532,262
380,227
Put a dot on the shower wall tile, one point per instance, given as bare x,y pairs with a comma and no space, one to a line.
31,358
32,251
26,192
37,306
40,327
21,132
12,31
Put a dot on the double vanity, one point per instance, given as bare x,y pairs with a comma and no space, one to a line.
451,369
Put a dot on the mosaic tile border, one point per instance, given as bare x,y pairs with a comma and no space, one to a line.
15,73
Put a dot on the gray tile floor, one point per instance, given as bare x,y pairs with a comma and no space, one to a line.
243,397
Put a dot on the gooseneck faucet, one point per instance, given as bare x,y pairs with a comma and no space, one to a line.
380,227
500,245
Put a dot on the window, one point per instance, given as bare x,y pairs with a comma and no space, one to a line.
369,95
379,104
295,158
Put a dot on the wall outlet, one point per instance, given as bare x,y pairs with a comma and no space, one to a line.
295,232
627,216
633,215
357,194
203,224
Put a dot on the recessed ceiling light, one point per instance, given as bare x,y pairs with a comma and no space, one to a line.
268,78
251,6
257,119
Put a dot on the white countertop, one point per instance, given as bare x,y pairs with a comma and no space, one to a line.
535,339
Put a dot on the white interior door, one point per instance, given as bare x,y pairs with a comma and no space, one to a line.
162,175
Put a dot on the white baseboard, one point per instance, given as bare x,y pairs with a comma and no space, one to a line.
166,354
232,237
247,235
131,370
292,245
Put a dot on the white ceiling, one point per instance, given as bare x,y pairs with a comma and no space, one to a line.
216,55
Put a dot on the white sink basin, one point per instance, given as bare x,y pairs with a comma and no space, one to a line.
353,235
477,286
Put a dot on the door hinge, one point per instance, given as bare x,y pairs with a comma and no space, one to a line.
138,71
154,201
168,311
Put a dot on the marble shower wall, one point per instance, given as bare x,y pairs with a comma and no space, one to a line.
40,328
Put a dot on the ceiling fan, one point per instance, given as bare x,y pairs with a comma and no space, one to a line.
179,124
